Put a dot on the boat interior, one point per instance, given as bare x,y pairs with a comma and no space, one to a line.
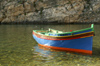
49,31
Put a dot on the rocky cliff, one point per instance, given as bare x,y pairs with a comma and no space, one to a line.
49,11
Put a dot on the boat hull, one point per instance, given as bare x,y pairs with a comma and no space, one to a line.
76,41
80,45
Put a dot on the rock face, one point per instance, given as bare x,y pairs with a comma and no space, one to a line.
49,10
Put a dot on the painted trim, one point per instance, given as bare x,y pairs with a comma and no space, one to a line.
66,32
84,35
68,49
64,36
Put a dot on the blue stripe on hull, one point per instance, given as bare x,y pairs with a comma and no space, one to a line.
59,34
82,43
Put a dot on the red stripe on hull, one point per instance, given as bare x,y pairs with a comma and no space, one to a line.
68,49
58,39
61,39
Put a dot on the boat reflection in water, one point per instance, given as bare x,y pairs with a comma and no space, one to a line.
52,53
42,52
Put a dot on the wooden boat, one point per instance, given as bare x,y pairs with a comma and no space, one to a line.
79,41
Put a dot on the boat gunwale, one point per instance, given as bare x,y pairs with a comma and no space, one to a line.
64,32
83,35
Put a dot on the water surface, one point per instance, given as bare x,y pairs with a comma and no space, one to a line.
18,48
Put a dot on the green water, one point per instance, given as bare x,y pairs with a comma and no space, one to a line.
18,48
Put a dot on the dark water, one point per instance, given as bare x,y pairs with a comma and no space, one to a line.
18,48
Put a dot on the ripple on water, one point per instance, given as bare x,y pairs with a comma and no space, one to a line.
16,48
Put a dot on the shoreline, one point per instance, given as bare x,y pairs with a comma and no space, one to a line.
46,23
